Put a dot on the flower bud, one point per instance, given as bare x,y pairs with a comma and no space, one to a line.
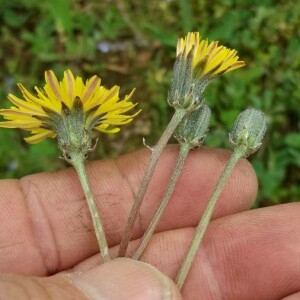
193,127
180,92
248,130
198,62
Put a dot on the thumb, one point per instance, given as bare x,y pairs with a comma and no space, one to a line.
121,279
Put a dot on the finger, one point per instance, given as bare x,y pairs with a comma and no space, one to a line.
250,255
134,281
46,220
295,296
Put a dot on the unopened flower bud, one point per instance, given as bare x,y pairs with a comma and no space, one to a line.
194,126
248,130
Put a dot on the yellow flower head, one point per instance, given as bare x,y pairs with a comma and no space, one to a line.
47,114
208,58
197,63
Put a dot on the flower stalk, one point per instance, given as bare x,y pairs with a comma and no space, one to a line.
183,152
246,137
190,134
202,226
77,160
155,155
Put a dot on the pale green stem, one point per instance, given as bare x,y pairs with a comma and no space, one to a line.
184,150
77,161
155,155
202,226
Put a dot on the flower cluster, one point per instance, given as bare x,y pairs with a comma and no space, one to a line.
72,110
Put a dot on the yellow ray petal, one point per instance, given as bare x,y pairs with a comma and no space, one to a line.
36,138
79,87
52,87
104,128
28,96
26,106
91,87
20,124
67,86
236,65
52,105
15,112
117,121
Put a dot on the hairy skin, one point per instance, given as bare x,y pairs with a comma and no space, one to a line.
47,245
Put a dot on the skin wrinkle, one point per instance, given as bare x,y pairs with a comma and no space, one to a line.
52,288
30,192
112,232
65,283
42,287
133,187
204,275
210,247
295,296
243,169
15,284
227,242
139,222
83,217
240,172
123,175
100,197
145,215
15,215
32,288
133,190
232,251
112,199
165,283
3,247
210,276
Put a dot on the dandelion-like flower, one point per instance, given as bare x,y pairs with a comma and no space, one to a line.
208,58
198,62
69,109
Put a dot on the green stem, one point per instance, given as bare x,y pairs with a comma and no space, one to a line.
184,150
77,161
202,226
155,155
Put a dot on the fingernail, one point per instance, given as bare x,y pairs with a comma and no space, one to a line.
126,279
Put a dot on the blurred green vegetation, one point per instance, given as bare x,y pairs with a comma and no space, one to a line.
132,44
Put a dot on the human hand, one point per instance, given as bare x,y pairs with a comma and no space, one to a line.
48,244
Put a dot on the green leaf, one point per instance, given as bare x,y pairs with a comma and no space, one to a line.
62,13
293,140
167,38
186,15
